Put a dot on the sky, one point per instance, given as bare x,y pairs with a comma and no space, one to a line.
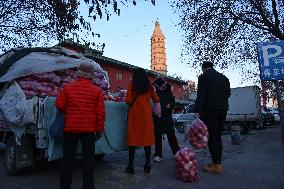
127,39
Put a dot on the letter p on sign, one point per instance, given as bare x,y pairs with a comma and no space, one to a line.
270,51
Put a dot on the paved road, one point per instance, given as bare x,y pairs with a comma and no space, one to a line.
257,163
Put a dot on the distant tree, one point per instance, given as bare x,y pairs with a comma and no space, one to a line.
29,22
226,31
189,88
268,88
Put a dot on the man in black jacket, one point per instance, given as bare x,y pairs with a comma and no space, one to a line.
212,106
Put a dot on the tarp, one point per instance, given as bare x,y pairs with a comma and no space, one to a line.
42,62
13,104
113,138
17,111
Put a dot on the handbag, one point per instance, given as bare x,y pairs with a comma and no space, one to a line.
130,105
56,129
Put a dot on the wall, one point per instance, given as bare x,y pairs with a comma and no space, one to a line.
126,77
114,80
177,89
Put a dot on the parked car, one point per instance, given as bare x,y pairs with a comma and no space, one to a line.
187,116
267,117
275,113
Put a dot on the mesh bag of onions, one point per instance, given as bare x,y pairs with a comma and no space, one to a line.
198,134
186,165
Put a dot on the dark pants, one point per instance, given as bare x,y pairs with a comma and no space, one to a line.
214,121
131,154
172,141
69,150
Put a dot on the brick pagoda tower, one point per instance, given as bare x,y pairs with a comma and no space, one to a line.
158,51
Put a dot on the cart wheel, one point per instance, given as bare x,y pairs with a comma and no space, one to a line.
10,157
99,156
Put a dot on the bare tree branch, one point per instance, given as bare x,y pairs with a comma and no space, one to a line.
249,22
40,21
264,16
226,32
275,13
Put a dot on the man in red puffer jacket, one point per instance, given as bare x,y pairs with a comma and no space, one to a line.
84,115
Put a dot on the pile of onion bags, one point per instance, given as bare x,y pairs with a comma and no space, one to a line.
198,134
46,84
51,83
108,96
120,96
100,81
186,165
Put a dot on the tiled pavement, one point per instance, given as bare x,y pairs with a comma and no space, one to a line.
257,163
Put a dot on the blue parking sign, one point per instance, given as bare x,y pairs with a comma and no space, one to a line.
271,60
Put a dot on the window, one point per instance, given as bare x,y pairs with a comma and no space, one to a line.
119,76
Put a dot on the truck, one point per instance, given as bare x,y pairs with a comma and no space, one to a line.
244,110
27,107
35,145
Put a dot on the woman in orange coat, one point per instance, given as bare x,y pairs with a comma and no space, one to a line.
140,122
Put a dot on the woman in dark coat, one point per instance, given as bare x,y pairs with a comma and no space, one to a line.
164,124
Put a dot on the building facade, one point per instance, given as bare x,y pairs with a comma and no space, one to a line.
120,75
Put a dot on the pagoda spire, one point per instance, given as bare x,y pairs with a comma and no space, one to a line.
158,50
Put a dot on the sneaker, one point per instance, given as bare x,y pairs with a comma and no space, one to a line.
213,168
158,159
